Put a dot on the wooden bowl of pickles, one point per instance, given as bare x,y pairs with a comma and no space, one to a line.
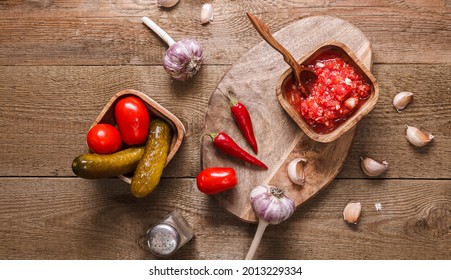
122,132
343,92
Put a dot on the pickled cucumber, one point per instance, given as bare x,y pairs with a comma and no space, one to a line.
92,166
150,167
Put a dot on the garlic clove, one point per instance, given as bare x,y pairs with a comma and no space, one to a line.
401,100
351,213
167,3
206,14
417,137
373,167
296,171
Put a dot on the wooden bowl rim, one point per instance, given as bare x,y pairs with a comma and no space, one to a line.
350,122
156,109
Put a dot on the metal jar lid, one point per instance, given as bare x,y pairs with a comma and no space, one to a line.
163,240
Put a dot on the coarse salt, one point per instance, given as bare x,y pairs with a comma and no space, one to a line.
378,206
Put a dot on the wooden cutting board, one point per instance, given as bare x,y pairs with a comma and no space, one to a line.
253,79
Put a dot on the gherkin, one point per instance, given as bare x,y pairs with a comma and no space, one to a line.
150,167
92,166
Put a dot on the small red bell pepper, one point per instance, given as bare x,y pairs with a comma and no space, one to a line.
214,180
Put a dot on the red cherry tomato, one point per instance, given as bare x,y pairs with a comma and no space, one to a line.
104,139
132,119
216,179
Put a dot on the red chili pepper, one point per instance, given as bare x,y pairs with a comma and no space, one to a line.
214,180
243,120
226,144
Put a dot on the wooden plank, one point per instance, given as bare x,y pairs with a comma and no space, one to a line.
112,34
45,113
381,134
417,4
123,8
43,218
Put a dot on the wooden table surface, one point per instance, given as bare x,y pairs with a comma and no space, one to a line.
61,61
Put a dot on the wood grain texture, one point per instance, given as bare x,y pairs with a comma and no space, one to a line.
46,111
62,60
73,33
381,134
254,79
45,219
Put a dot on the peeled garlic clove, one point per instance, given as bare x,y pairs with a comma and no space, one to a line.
373,167
206,14
296,171
167,3
417,137
401,100
351,213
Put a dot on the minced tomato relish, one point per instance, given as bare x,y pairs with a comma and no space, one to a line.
334,95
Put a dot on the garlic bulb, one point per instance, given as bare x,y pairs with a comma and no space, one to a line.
183,58
401,100
206,14
271,206
373,167
167,3
351,213
417,137
296,171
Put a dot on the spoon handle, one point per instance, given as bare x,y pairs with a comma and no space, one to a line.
264,31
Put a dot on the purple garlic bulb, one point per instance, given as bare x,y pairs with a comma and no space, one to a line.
271,205
183,59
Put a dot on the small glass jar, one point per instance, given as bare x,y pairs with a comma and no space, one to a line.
167,236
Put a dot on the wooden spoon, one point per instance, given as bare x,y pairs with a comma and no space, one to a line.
298,70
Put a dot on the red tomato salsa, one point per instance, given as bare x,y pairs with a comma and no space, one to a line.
337,92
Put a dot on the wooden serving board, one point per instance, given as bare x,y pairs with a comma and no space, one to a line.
253,79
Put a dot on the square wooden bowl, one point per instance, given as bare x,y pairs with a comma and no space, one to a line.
355,117
155,110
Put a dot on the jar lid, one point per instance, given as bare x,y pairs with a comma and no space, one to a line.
163,240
